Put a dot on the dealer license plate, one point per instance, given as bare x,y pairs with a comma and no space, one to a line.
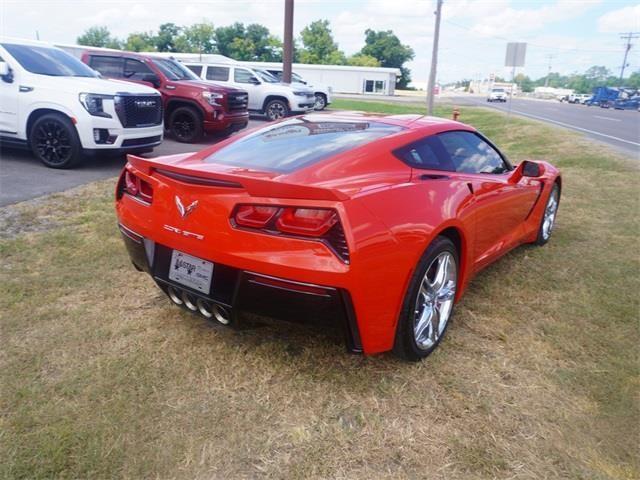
191,271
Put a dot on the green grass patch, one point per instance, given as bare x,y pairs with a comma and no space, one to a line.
100,376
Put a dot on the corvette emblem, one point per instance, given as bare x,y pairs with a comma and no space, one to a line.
185,211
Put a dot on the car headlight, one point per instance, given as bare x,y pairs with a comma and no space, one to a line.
300,94
92,102
212,97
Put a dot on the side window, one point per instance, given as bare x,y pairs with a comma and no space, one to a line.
110,67
135,69
471,154
427,154
220,74
197,69
240,75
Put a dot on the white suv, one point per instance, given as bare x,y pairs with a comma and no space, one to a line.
321,92
266,94
61,108
497,95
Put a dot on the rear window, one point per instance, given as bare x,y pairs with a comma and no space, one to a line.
299,142
110,67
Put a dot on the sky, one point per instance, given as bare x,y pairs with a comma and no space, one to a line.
572,35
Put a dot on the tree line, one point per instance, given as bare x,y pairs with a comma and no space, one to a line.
254,42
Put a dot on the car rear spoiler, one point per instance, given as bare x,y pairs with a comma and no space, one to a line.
255,186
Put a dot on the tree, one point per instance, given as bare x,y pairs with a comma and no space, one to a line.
140,42
225,37
361,60
167,34
597,73
634,80
253,42
386,47
199,38
525,83
319,46
98,37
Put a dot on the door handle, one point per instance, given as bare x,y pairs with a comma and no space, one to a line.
24,89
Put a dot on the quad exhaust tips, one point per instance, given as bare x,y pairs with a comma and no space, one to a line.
207,309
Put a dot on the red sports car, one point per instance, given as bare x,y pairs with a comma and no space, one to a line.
375,222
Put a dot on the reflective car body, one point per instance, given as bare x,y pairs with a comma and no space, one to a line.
393,183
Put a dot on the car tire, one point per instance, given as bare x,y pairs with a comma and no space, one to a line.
185,125
427,298
320,102
54,141
548,219
276,109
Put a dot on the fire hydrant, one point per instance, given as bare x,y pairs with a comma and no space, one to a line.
456,113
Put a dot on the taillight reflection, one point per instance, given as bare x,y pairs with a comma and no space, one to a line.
136,187
254,216
309,222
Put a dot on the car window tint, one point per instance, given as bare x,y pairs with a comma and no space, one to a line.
427,154
110,67
471,154
135,69
241,75
218,73
197,69
299,142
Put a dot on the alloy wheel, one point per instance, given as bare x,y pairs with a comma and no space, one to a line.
276,111
550,214
53,143
183,126
320,102
435,300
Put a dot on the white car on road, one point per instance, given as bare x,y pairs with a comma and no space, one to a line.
497,95
60,108
267,95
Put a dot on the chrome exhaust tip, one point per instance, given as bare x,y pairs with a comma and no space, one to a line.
221,314
189,301
204,308
174,295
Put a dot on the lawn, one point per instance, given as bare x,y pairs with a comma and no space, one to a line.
101,377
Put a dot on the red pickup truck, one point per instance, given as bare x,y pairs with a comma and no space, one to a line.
192,107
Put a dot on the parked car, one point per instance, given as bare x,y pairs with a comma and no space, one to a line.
377,223
58,107
267,95
321,92
192,107
497,95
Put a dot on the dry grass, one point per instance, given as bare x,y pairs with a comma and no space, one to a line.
101,377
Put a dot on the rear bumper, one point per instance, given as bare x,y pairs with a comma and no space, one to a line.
245,291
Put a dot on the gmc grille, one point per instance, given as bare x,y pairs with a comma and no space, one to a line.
237,102
136,111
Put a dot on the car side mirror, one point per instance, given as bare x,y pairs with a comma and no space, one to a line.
532,169
152,79
5,72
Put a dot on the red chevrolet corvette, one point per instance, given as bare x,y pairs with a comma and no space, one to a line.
374,222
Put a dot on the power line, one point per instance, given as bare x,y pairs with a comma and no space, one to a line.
628,37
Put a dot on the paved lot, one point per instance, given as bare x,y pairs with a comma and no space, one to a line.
22,177
618,128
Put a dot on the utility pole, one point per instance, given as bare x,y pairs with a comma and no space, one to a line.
628,37
287,56
550,57
434,60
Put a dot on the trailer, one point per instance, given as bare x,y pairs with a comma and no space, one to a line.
603,97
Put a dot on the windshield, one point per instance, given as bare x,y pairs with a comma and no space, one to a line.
174,70
498,90
48,61
266,76
299,142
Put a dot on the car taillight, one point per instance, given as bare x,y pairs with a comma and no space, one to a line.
135,186
322,224
310,222
254,216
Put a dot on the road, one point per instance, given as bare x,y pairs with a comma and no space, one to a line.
22,177
618,128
